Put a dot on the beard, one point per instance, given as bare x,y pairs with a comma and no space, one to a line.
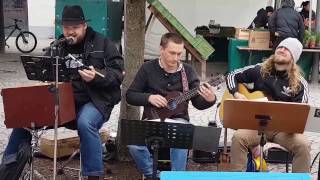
281,65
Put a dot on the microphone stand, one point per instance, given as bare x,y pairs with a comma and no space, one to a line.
55,53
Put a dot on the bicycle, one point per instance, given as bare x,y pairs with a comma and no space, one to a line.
26,41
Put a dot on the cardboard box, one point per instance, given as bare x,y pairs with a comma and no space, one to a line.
68,142
259,39
242,34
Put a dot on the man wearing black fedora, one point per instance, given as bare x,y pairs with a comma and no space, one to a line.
95,96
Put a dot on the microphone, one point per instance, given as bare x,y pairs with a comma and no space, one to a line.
62,41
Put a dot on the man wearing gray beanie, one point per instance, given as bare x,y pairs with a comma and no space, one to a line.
280,78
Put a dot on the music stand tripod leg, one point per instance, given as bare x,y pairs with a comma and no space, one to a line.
263,122
318,170
33,147
262,143
34,144
55,53
155,144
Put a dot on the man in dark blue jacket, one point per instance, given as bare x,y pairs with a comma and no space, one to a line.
286,22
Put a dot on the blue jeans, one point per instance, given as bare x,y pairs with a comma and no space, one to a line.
144,162
89,121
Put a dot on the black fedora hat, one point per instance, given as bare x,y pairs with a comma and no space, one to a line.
72,15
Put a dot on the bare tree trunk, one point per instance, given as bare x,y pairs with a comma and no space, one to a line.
2,43
134,25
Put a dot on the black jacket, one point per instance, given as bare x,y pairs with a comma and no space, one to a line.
275,86
101,53
152,79
287,22
305,14
261,20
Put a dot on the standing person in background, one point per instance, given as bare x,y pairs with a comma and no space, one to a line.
305,15
262,18
286,22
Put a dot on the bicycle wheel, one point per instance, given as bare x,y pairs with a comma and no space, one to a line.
26,42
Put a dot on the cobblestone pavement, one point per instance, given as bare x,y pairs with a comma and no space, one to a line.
12,75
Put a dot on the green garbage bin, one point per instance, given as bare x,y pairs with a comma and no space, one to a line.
237,59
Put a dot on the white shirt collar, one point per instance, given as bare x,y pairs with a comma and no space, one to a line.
178,69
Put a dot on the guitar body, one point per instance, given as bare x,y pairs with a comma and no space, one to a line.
173,108
243,90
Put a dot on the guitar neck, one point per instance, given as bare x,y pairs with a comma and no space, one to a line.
193,92
187,95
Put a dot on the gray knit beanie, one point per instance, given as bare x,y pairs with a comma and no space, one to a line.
294,46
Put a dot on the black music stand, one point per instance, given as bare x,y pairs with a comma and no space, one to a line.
158,135
42,68
48,68
265,116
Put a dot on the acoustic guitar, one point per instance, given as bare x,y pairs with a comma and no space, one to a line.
243,90
177,101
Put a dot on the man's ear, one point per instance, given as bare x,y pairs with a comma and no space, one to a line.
85,26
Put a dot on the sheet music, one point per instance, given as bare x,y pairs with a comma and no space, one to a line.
264,99
181,121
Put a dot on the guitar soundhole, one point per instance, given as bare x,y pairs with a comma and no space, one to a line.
172,105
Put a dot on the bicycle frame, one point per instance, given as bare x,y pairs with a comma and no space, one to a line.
16,27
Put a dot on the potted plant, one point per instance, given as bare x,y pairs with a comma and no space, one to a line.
312,43
306,42
318,40
306,39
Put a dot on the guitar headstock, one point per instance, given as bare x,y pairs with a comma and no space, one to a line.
216,80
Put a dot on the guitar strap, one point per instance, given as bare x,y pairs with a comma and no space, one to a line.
184,78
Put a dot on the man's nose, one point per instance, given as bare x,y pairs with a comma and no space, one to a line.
176,57
70,32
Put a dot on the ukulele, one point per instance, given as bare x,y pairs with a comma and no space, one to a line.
177,102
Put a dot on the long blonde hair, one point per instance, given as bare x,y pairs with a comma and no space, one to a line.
293,74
